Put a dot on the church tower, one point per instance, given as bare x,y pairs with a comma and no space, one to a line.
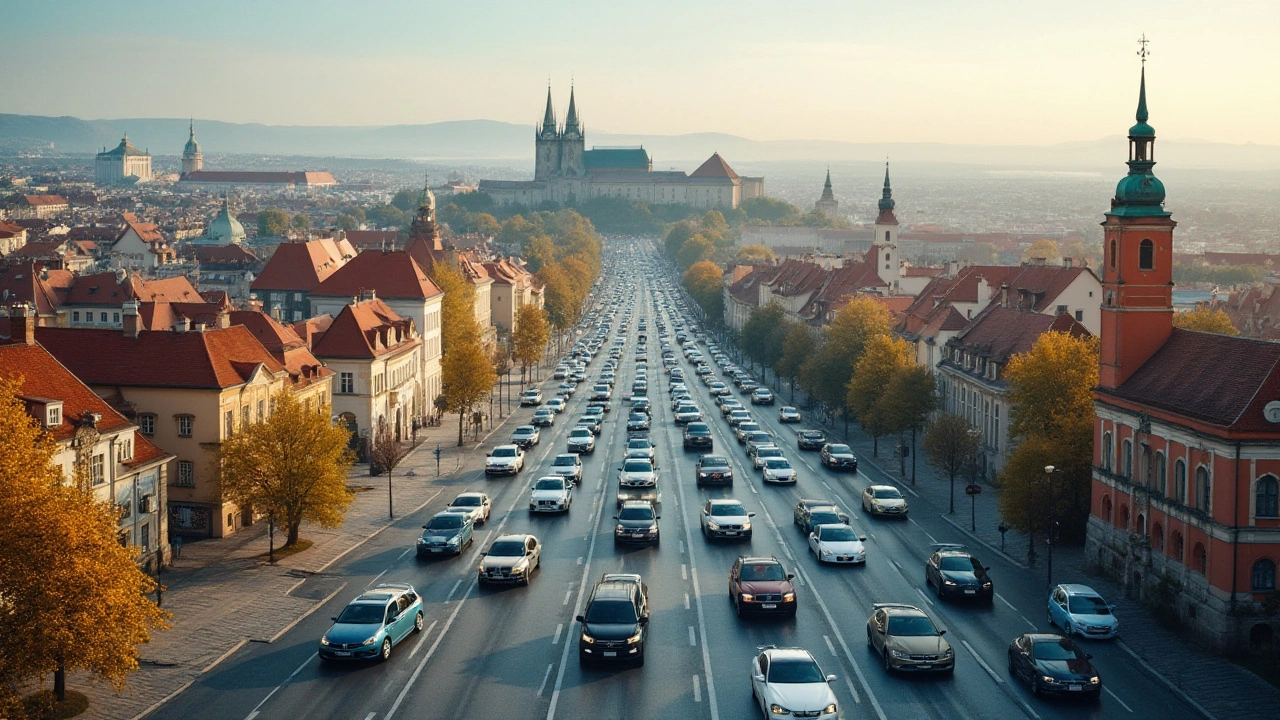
424,225
1137,276
546,144
884,243
827,204
572,142
192,158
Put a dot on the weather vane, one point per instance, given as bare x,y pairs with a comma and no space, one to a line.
1142,48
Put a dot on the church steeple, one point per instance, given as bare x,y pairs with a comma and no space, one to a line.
424,223
571,125
548,127
1140,193
192,158
886,195
827,204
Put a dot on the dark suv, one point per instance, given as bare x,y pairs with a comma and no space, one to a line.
713,470
697,435
760,585
615,623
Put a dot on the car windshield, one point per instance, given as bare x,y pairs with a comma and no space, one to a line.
637,466
813,434
911,626
635,513
639,445
957,563
840,450
749,427
467,501
720,509
445,522
714,461
696,429
549,484
838,534
637,417
579,432
507,548
1056,650
762,571
504,452
777,464
611,612
887,493
824,517
687,409
565,461
525,430
795,671
362,614
1088,605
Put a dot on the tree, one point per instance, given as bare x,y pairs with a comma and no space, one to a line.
703,281
754,254
677,236
798,344
516,231
952,448
71,597
885,357
529,339
457,309
272,222
1026,497
539,253
407,200
386,216
466,378
348,222
292,466
826,374
694,250
760,337
557,297
300,222
1204,319
485,224
909,400
1041,248
385,453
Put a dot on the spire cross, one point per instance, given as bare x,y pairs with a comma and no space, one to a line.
1142,48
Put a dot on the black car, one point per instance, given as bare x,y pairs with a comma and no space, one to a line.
955,573
697,435
640,405
713,470
811,439
615,621
637,523
838,456
1054,665
814,516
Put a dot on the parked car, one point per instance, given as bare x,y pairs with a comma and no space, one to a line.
615,621
788,414
761,585
370,625
1079,610
906,639
504,460
446,533
511,559
1054,665
552,493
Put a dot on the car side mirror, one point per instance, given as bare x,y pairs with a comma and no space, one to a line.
615,517
862,538
941,633
751,514
580,619
831,678
1088,656
657,517
424,527
644,621
758,677
334,618
1112,608
488,454
844,518
791,576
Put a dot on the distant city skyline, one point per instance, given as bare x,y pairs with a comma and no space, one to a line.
966,73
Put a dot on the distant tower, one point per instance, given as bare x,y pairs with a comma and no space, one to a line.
546,144
192,158
572,142
1137,273
424,223
884,244
827,204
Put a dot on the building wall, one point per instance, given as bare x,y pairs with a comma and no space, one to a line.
130,251
984,404
388,387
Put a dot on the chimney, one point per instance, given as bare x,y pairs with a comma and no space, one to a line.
223,319
130,320
1068,262
369,294
984,291
953,268
22,324
183,325
1004,294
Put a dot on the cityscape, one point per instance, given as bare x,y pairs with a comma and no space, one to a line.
302,371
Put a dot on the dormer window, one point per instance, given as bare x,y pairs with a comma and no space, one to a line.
53,414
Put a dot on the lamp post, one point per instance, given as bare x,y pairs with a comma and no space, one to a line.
1049,470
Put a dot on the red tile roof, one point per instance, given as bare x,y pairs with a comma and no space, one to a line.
147,232
886,217
36,200
312,329
30,282
998,333
715,167
367,329
221,256
363,239
44,377
301,266
163,315
284,344
393,274
106,289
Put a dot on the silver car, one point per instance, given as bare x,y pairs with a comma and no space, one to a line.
568,465
475,504
551,494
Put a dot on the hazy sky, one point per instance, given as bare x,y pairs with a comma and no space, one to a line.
978,71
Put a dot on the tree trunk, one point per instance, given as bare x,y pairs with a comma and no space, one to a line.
462,414
291,538
913,456
875,441
60,682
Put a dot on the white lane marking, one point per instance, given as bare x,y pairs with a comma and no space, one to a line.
480,546
926,532
1027,707
798,578
924,597
857,669
999,680
425,633
257,707
686,601
684,572
375,579
854,693
559,629
895,562
370,716
406,552
454,590
1011,607
830,647
579,559
697,689
545,675
681,547
567,594
1117,697
693,637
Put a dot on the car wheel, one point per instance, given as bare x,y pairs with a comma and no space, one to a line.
737,606
417,622
941,595
888,664
1035,686
385,655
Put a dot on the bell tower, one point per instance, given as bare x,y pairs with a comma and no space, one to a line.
884,243
1137,277
546,141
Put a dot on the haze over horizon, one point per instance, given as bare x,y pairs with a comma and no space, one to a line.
995,74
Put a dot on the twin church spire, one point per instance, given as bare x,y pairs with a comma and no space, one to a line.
572,125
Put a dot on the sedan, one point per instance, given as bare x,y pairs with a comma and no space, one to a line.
837,544
688,413
739,416
778,470
1078,610
906,639
764,452
544,417
1054,665
811,439
371,624
551,494
569,465
582,440
557,404
787,683
838,456
955,573
762,396
726,519
567,389
504,460
447,533
637,523
526,436
713,470
697,435
475,504
510,559
884,500
642,447
761,585
788,414
637,421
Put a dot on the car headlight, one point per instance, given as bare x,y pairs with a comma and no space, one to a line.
421,540
746,597
949,582
986,584
588,639
517,570
949,652
653,527
1095,680
480,570
826,554
830,709
1048,679
897,653
324,640
370,640
713,525
789,597
634,639
777,709
746,525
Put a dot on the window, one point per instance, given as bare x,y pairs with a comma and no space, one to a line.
115,317
1199,559
53,416
186,473
145,542
346,383
1126,459
186,424
1204,489
1180,481
1266,502
229,423
103,317
1106,508
1142,524
1106,451
1062,310
1113,254
1080,315
75,316
124,451
1178,545
1157,537
98,469
147,423
262,410
1264,575
1146,255
1161,475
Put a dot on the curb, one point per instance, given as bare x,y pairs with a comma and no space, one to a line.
984,543
1165,681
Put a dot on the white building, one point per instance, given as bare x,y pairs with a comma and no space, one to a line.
125,164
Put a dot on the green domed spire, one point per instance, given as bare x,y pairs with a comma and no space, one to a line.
886,196
1140,193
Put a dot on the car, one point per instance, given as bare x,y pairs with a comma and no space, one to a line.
552,493
762,396
643,447
811,439
1079,610
504,460
532,396
641,405
511,559
787,683
544,417
595,409
760,453
837,543
639,388
446,533
778,470
1053,664
567,389
370,625
717,388
726,518
788,414
728,404
761,585
955,573
753,440
637,480
838,456
525,437
601,391
615,621
560,372
687,413
569,465
637,522
739,416
637,421
557,404
713,470
475,504
698,435
810,514
590,422
906,639
884,500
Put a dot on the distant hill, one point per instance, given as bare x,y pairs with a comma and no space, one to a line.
471,141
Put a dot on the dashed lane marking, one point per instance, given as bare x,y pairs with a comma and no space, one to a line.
556,640
697,689
567,594
1011,607
999,680
1117,699
686,601
305,663
545,676
830,647
924,597
425,634
926,532
684,571
454,590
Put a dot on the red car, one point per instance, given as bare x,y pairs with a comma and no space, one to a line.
762,586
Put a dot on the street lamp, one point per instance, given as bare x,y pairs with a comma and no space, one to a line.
1049,470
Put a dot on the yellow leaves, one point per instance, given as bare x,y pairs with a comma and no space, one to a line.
457,309
884,358
466,377
1203,319
531,334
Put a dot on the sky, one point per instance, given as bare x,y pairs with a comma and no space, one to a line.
998,72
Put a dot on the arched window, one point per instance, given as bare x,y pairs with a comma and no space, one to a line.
1266,502
886,255
1106,508
1178,545
1157,536
1204,489
1113,254
886,239
1264,575
1199,559
1126,459
1124,516
1146,255
1180,481
1161,475
1142,524
1148,467
1106,451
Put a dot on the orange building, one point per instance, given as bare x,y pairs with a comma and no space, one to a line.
1186,477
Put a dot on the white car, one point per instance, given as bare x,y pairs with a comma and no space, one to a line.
557,404
510,559
582,440
474,503
779,470
788,414
567,389
569,466
551,494
837,544
884,500
787,683
763,453
533,396
688,413
504,460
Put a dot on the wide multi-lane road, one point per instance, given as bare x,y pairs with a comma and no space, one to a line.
512,652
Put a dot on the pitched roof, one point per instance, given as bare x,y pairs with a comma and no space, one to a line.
147,232
107,289
226,256
373,238
312,329
210,360
367,329
164,316
301,266
284,344
714,167
44,377
246,177
43,200
616,158
998,332
30,282
393,274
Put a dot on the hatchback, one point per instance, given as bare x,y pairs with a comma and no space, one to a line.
373,623
1079,610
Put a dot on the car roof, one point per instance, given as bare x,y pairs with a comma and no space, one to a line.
526,428
1046,637
788,653
515,536
881,487
562,456
474,494
899,609
759,559
506,447
637,503
1076,589
725,501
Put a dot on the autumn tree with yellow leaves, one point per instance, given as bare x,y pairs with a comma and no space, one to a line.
1205,320
71,598
825,375
885,356
529,339
466,378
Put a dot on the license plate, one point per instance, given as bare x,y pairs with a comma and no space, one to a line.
1075,688
970,592
924,667
769,606
343,654
437,549
610,653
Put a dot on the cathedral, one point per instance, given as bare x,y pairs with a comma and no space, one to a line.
565,172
